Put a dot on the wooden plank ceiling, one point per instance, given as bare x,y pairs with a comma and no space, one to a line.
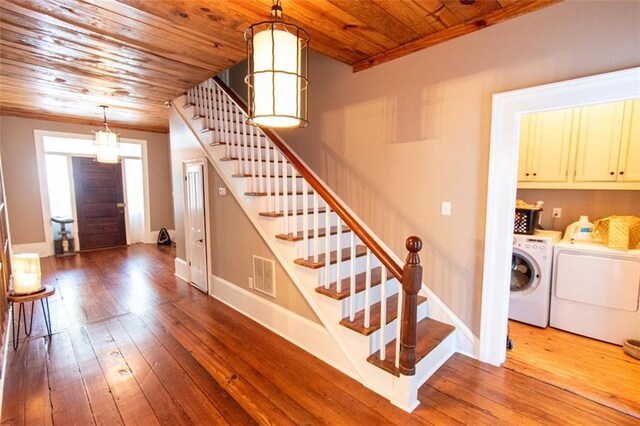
60,59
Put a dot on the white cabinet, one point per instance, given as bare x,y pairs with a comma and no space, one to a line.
545,142
608,148
592,147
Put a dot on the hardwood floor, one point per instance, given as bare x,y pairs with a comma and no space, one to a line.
133,344
596,370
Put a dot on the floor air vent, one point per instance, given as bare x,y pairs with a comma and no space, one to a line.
264,275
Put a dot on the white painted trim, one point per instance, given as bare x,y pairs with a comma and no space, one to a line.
182,269
44,192
501,191
302,332
43,249
5,352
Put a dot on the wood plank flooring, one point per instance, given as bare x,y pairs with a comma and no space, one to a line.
133,344
596,370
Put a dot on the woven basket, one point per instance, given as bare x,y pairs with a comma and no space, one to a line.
631,347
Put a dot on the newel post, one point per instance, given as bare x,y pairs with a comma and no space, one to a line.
411,282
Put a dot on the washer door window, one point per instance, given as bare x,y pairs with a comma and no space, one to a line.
525,275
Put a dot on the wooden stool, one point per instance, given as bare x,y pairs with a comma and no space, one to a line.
42,296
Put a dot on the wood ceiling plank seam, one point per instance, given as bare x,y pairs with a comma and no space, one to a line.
430,7
64,37
467,12
410,14
378,19
324,17
161,53
76,120
493,18
90,58
217,39
62,64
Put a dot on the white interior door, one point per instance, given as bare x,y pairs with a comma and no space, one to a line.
195,215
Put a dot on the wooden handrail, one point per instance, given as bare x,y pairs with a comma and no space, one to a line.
335,205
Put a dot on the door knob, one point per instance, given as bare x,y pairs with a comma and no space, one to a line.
121,205
201,240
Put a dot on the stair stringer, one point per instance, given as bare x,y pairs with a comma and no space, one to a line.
401,391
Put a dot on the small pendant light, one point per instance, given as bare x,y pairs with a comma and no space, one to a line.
106,142
277,58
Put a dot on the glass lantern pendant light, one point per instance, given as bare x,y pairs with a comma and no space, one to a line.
278,63
106,142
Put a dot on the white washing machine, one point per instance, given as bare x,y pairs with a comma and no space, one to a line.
531,277
596,291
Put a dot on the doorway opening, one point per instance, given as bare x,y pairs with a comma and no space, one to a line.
54,154
548,354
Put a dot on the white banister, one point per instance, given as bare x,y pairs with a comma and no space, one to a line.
352,278
285,196
316,249
305,221
339,258
398,325
383,312
327,247
367,291
294,207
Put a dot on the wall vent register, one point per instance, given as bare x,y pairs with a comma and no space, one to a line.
264,276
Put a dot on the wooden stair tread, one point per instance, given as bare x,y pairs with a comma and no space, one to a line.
429,335
333,257
376,279
298,212
321,233
262,161
357,324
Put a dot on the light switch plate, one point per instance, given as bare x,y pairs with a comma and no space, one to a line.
557,212
446,208
222,191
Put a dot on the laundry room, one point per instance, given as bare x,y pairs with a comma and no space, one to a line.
574,314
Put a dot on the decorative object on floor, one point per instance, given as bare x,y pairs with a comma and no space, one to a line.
14,298
631,347
106,141
63,241
26,274
277,58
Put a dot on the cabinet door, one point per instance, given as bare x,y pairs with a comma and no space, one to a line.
599,142
629,159
551,144
526,143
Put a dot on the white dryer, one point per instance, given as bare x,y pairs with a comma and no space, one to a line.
596,291
531,277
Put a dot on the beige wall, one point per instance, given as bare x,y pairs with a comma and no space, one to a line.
21,174
233,236
398,139
595,204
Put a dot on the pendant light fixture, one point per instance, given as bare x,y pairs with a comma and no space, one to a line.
277,58
106,142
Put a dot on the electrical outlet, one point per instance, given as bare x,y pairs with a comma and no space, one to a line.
557,212
250,282
445,210
222,191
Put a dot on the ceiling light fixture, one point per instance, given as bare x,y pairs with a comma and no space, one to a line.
106,142
277,57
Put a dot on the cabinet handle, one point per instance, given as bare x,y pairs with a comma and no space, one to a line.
526,174
612,173
535,174
621,173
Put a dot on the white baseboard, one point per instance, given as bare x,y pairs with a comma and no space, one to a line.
152,236
182,269
41,248
304,333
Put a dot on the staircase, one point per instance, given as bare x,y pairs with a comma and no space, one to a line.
368,303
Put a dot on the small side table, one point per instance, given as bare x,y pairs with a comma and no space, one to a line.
42,296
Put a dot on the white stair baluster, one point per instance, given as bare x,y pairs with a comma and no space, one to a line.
218,119
276,175
383,312
257,142
367,291
316,249
399,324
294,204
269,164
285,196
305,221
254,154
339,259
327,247
352,278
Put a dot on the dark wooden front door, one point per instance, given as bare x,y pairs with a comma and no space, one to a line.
99,203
